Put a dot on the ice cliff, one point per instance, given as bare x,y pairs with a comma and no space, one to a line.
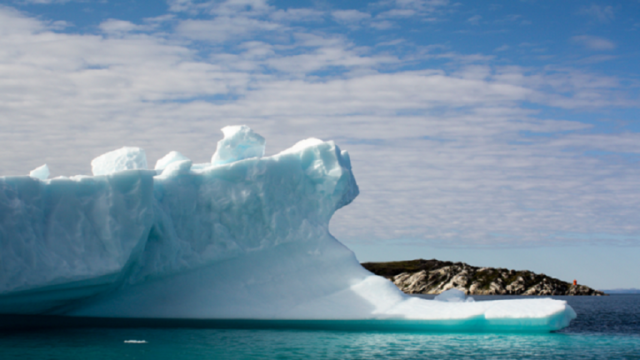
243,237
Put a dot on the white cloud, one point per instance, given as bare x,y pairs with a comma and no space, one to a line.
382,25
350,16
223,28
119,26
395,10
395,42
440,156
397,13
474,20
324,58
421,5
180,5
595,59
46,2
224,8
603,14
293,15
513,17
594,42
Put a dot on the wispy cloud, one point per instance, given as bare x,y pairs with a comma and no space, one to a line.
223,28
297,15
474,20
602,14
427,10
593,42
46,2
350,16
114,26
422,5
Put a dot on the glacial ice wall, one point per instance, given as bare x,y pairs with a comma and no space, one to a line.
243,237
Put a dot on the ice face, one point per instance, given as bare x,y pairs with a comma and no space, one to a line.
126,158
240,142
243,240
67,239
41,172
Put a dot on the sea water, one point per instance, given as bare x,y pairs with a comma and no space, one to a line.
606,328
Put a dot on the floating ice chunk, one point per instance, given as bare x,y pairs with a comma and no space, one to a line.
168,159
453,295
125,158
135,341
41,172
240,142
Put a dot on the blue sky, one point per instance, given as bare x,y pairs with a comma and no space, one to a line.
500,133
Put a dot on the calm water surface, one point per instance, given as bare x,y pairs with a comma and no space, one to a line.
606,328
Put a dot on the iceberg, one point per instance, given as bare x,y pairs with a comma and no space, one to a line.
244,237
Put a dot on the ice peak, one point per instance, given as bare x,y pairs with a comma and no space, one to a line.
41,172
125,158
171,157
240,142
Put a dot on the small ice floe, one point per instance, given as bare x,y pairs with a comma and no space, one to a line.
135,341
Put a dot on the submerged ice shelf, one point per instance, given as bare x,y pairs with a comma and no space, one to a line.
243,237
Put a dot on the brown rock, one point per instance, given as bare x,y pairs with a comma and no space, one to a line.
434,276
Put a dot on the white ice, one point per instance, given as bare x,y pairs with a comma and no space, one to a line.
41,172
125,158
171,157
244,239
240,142
453,295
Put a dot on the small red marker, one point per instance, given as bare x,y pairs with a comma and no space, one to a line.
575,282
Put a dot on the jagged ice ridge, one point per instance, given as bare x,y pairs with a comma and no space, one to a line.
242,237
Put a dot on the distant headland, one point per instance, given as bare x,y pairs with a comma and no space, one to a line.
435,276
622,291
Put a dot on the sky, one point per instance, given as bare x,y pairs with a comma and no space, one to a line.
499,133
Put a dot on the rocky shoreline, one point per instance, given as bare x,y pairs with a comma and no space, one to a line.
434,276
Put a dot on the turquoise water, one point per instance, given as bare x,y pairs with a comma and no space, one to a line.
606,328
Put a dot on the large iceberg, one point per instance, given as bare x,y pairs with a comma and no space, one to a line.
243,237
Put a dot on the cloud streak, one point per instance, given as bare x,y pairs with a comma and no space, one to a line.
603,14
594,42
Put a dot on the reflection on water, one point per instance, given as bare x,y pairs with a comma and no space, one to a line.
606,328
88,344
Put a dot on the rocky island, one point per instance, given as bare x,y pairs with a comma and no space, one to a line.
435,276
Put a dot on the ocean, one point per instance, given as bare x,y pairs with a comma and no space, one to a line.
606,328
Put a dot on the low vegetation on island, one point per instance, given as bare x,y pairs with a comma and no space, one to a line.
435,276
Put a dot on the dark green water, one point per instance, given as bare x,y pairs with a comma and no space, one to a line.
606,328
